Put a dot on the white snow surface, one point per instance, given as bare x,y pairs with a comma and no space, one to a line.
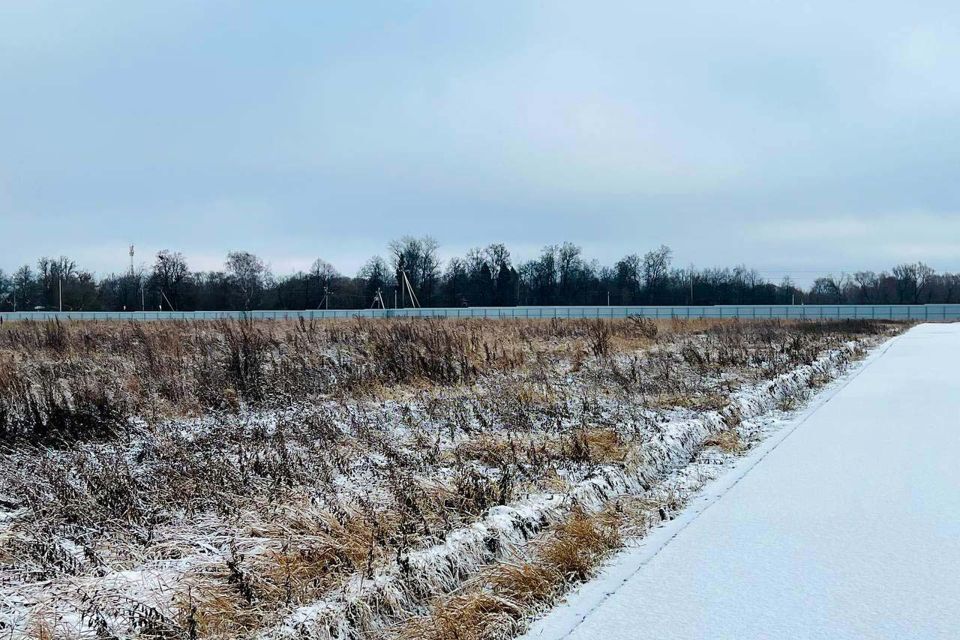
844,524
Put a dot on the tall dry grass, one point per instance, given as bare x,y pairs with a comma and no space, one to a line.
70,381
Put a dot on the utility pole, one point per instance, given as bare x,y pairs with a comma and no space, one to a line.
61,294
608,298
409,288
164,297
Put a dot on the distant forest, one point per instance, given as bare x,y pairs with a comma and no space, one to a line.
489,276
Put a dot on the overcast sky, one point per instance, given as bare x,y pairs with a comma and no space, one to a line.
791,136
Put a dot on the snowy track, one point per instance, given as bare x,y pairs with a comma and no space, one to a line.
846,526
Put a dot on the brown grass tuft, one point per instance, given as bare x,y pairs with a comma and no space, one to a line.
727,440
471,616
579,543
527,583
495,605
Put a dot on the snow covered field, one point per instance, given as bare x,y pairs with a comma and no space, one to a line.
844,524
397,479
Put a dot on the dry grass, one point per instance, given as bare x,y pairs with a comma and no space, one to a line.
68,381
728,440
528,584
579,543
495,606
595,446
472,616
694,401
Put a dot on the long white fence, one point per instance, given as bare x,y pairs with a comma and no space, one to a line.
918,312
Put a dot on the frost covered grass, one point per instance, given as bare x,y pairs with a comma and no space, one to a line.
403,478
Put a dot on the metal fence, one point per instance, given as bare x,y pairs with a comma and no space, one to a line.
918,312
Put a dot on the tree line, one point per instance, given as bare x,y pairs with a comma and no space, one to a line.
488,276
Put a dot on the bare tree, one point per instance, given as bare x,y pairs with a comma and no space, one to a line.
906,281
951,287
55,276
170,270
924,276
825,289
323,271
375,274
248,273
868,284
418,258
323,274
626,276
24,288
569,263
912,281
540,276
831,289
498,257
656,267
